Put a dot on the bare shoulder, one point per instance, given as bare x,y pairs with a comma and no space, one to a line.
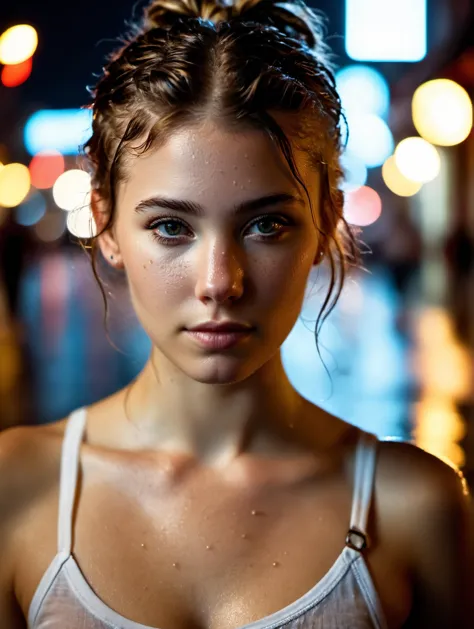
26,460
29,466
25,469
423,503
29,469
422,476
419,493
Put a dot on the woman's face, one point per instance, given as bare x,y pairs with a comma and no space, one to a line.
185,269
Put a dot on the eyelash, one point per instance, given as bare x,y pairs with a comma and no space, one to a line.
153,225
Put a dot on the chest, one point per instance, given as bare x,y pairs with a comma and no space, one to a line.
205,553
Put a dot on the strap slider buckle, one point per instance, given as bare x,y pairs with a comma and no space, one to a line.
356,539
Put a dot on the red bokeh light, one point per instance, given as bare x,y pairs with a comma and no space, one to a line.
14,75
45,168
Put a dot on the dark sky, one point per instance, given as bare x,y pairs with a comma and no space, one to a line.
75,37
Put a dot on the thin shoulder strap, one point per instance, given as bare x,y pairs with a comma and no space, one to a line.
364,477
68,479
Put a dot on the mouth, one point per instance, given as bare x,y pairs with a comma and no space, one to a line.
219,340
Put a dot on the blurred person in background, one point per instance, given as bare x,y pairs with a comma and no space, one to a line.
209,492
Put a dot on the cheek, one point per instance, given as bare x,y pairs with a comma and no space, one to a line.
284,278
157,285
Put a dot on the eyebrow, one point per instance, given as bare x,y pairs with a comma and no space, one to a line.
195,209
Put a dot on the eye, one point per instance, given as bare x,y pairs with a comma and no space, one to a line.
270,226
171,231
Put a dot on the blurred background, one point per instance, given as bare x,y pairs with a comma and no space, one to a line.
397,352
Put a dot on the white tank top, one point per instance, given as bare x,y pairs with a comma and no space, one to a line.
345,598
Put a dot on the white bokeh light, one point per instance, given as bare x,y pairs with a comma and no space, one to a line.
71,190
417,159
81,223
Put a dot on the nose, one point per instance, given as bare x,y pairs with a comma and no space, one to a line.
220,273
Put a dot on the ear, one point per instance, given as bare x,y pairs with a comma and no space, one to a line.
107,239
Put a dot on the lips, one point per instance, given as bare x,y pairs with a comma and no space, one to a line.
220,340
222,328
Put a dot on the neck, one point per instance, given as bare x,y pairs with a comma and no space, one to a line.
214,423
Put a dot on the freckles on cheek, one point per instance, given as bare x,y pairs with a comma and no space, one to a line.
156,279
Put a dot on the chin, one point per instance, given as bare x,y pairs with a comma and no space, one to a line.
218,370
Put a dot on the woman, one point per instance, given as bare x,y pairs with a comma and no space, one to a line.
209,493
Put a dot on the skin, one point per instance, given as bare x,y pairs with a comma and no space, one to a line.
219,269
174,465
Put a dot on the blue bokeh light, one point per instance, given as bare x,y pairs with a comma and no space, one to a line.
63,130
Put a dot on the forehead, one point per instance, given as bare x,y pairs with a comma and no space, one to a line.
209,163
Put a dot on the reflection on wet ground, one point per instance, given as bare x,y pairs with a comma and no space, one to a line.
408,378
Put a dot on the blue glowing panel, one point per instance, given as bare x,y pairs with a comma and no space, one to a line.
386,30
62,129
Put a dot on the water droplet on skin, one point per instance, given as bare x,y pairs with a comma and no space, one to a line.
245,155
209,547
234,183
143,546
275,564
151,261
249,181
284,552
193,156
244,536
175,565
256,512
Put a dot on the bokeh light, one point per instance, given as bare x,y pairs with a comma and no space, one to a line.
14,184
355,172
417,160
45,168
396,182
17,44
71,190
63,130
442,112
51,227
15,75
370,139
364,90
81,222
386,31
31,211
362,207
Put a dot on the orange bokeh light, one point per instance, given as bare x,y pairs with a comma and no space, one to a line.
14,75
45,168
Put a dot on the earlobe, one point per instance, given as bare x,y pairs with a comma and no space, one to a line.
319,257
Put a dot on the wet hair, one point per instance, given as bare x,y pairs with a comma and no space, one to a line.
191,61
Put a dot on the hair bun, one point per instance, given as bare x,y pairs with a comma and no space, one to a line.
165,13
293,18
